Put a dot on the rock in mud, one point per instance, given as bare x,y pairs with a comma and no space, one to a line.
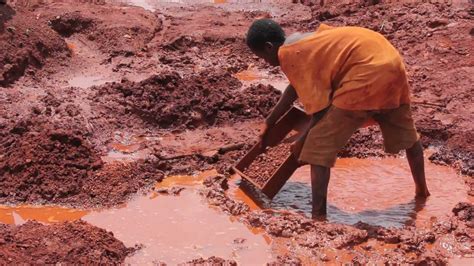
209,261
175,191
70,23
464,211
214,192
286,260
63,243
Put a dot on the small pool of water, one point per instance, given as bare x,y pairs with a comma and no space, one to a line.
172,229
376,191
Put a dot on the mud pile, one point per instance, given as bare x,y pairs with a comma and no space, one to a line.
115,30
50,163
437,54
64,243
26,44
169,101
265,165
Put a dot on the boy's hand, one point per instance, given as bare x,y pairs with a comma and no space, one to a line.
263,135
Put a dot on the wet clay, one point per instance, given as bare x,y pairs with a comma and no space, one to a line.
169,101
44,162
26,44
265,165
174,72
64,243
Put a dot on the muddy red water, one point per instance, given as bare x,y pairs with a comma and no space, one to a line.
172,229
59,54
375,191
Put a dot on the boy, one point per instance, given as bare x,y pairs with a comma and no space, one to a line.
344,77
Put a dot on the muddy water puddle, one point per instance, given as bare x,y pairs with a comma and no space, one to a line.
255,76
152,4
172,229
375,191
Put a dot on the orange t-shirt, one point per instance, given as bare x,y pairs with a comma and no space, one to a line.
352,68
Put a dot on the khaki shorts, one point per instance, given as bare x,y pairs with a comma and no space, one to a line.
333,131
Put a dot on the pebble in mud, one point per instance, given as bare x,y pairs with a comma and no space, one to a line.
265,165
209,261
174,191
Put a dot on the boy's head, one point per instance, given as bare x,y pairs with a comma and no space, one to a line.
264,38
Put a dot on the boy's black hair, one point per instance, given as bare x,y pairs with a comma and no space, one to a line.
262,31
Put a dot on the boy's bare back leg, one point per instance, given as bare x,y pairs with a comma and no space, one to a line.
417,166
319,186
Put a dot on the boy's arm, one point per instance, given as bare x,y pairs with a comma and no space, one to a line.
284,104
286,101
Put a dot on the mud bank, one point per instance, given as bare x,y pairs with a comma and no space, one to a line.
65,243
55,163
26,45
312,241
116,30
170,101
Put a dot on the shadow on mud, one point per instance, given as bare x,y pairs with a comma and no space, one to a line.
6,13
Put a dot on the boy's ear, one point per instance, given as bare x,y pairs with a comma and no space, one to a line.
268,47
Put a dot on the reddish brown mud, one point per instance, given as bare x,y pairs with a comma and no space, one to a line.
49,163
169,101
183,85
26,44
65,243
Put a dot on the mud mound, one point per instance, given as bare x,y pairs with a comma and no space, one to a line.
169,101
26,44
189,53
44,164
116,30
64,243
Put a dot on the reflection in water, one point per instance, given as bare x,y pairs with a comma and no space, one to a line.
375,191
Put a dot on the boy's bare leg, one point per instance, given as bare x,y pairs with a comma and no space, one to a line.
319,185
417,166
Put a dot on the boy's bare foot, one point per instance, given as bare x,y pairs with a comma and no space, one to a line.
422,193
320,216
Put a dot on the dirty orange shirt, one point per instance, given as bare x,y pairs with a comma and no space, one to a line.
352,68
